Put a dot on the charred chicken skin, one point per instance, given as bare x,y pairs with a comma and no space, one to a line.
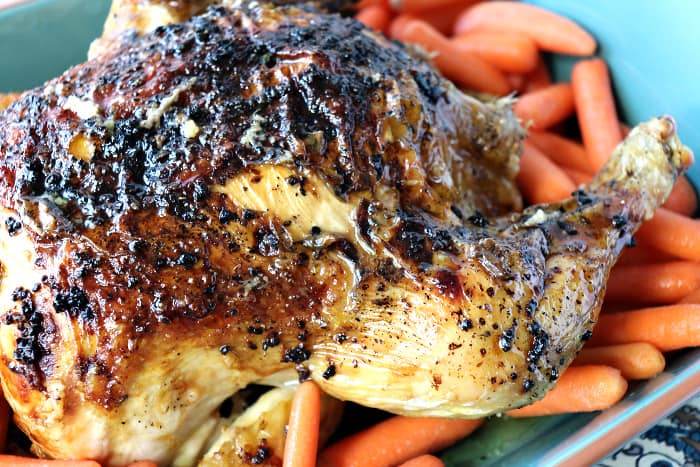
266,194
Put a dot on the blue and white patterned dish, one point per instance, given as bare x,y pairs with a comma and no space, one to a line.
674,441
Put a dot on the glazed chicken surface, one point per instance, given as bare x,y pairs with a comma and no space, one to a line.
266,194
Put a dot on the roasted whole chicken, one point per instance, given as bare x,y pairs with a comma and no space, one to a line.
264,194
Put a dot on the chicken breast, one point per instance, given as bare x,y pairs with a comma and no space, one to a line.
270,195
136,17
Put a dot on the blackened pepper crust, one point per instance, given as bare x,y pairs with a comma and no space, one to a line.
121,152
316,90
129,144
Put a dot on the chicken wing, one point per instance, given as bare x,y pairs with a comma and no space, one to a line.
270,194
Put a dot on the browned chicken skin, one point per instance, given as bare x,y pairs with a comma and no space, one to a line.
129,17
265,195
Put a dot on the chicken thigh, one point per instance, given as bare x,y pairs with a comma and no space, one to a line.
272,194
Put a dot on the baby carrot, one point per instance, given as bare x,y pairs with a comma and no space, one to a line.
564,152
424,461
638,360
421,6
577,176
683,198
304,420
672,233
546,107
540,180
376,17
580,389
667,328
550,31
658,284
643,254
464,68
538,78
510,52
397,25
517,82
396,440
693,297
624,130
595,107
16,461
365,3
443,19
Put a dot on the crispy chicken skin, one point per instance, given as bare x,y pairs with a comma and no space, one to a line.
266,195
143,16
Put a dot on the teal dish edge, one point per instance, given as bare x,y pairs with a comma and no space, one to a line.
42,39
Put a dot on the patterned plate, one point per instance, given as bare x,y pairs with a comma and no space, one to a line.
675,441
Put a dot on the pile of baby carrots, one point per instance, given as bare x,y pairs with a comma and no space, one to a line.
495,47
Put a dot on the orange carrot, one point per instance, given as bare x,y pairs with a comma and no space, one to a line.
625,130
564,152
657,284
511,52
397,24
693,297
577,176
301,445
643,255
365,3
672,233
422,7
16,461
424,461
667,328
538,78
580,389
464,68
683,199
4,421
550,31
639,360
443,19
546,107
396,440
595,107
376,17
540,180
517,82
